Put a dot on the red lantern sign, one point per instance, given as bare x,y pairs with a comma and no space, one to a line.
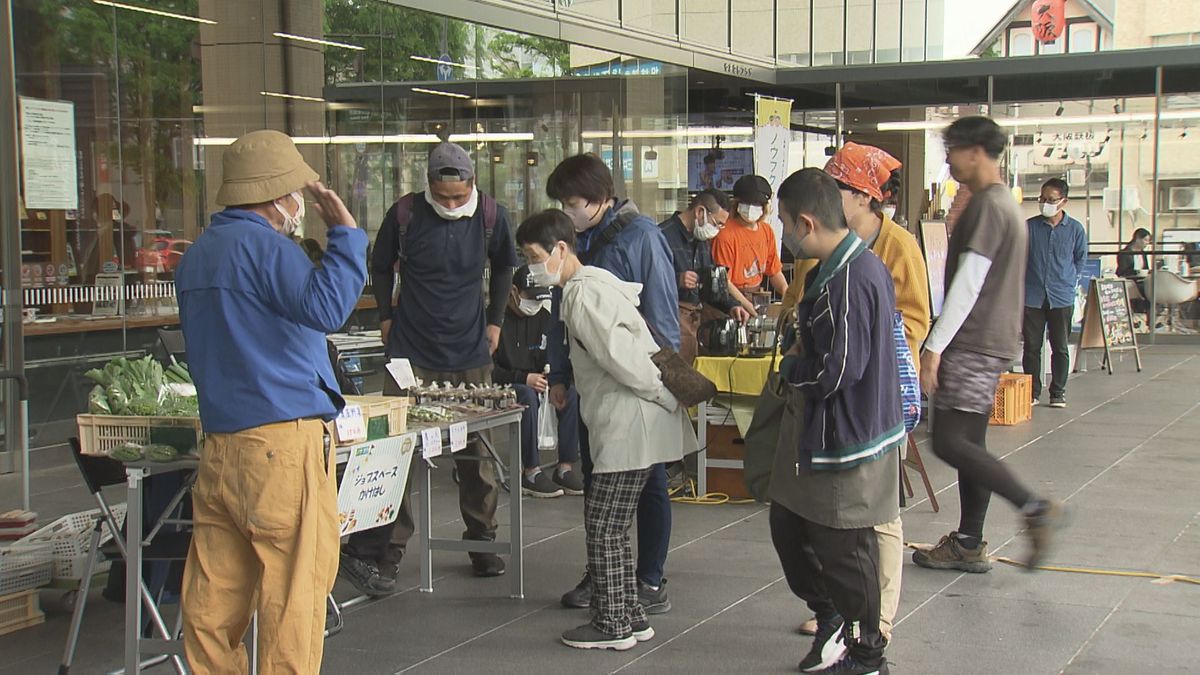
1049,19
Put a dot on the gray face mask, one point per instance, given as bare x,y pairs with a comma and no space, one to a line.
794,243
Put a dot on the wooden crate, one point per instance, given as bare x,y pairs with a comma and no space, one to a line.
100,433
391,411
19,610
1014,400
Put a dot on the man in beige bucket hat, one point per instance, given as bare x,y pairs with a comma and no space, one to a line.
255,311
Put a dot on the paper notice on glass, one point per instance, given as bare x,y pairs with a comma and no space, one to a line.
458,436
431,443
48,154
402,373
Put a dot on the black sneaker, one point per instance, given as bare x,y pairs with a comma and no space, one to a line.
1058,401
365,577
828,646
588,636
487,564
569,481
654,601
642,631
540,486
848,666
579,597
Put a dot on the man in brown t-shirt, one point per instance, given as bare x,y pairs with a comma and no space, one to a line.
974,340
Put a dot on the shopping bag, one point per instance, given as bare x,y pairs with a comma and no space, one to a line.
910,384
758,453
547,423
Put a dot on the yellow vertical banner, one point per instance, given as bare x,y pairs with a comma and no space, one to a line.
772,140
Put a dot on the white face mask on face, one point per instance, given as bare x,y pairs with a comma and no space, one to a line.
290,222
531,307
705,230
751,213
465,211
542,276
1050,209
890,212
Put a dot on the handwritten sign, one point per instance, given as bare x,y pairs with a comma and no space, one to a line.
350,425
1108,322
374,483
935,243
458,436
402,373
431,442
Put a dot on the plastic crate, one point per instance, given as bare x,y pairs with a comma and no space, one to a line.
1014,400
25,567
100,433
69,538
393,408
19,610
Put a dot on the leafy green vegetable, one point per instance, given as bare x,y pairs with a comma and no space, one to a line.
158,452
127,452
98,402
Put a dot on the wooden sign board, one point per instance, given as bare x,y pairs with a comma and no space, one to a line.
935,243
1108,321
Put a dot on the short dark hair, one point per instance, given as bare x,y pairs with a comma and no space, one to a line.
1057,184
1140,233
814,193
585,176
719,197
547,229
976,130
709,201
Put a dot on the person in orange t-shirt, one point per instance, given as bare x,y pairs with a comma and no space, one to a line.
746,245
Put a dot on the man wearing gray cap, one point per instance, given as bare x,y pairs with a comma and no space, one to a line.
440,241
254,312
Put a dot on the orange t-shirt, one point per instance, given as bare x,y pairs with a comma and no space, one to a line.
749,254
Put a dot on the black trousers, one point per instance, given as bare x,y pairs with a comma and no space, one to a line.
1037,321
835,572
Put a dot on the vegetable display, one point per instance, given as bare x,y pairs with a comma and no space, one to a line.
141,387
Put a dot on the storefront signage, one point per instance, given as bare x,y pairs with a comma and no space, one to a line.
48,154
617,67
374,482
738,69
772,140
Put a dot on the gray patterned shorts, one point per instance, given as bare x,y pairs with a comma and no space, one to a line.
967,381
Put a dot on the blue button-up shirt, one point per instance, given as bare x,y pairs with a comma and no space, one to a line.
255,312
1056,258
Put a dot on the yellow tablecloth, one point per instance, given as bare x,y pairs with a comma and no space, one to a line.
736,374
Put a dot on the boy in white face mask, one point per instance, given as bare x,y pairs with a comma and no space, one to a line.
521,361
747,244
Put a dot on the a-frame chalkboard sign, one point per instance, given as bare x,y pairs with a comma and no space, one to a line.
1108,322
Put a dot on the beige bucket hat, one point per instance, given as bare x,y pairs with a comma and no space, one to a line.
260,167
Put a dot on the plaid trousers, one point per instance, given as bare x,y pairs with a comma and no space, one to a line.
608,510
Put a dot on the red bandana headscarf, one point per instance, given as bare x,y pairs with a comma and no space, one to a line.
865,168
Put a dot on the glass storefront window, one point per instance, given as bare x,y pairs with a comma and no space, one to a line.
912,30
887,31
656,16
860,21
793,32
705,22
752,27
829,32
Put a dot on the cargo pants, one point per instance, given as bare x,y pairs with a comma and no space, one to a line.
265,538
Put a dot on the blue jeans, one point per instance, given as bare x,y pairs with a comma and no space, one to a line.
568,427
653,516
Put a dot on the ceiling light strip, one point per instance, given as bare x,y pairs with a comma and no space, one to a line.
435,92
318,41
155,12
295,97
441,62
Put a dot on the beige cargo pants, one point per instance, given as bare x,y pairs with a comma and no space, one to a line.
265,538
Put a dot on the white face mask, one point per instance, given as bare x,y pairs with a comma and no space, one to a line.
542,276
705,230
1051,209
465,211
890,212
750,212
291,223
531,307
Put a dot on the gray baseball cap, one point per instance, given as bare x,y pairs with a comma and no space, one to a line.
449,162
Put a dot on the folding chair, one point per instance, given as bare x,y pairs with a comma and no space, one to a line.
99,472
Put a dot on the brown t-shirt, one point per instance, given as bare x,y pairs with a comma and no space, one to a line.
992,227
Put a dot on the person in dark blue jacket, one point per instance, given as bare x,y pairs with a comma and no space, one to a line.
835,477
612,234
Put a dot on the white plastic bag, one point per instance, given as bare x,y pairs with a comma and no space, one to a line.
547,423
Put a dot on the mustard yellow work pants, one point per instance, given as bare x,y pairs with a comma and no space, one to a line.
891,566
265,538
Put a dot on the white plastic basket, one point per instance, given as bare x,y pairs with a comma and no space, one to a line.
24,567
69,538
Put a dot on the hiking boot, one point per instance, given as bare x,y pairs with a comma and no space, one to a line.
1058,401
579,597
1047,518
642,631
487,564
848,666
588,636
949,554
365,577
828,646
569,481
540,486
654,601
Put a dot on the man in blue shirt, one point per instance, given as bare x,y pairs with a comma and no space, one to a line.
613,235
254,311
1057,253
